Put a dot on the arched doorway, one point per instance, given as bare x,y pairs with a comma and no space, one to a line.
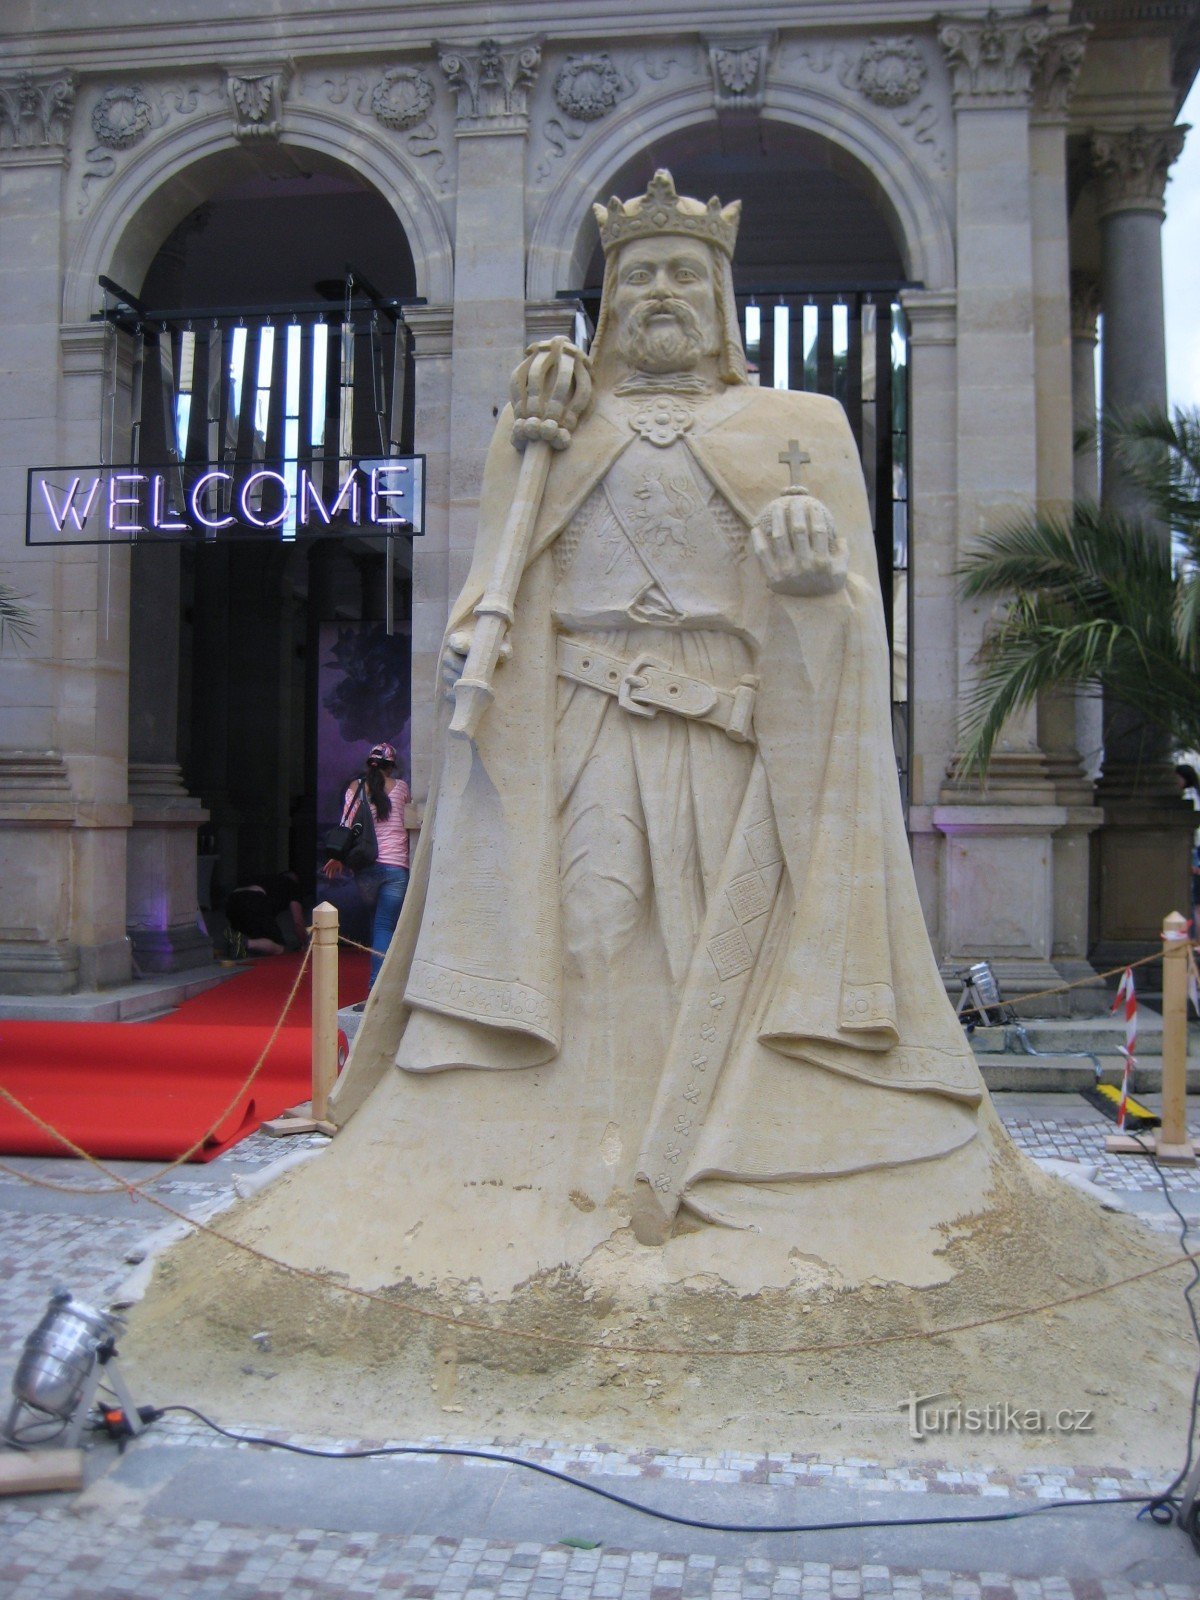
820,260
264,668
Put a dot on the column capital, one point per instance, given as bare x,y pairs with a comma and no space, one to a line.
1132,167
1085,305
992,59
932,315
1057,72
492,83
432,328
36,112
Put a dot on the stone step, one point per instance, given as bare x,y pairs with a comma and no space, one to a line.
1064,1075
1061,1036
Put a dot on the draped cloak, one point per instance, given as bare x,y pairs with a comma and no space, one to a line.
847,1055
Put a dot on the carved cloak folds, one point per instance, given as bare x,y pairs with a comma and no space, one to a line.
846,1055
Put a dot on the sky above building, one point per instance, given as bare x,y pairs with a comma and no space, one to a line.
1181,264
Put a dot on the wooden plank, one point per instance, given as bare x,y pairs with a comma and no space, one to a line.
40,1471
283,1127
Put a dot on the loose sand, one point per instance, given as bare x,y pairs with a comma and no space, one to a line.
351,1366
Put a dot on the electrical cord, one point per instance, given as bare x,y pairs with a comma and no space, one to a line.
636,1505
1164,1508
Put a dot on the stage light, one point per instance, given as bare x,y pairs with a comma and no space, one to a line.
64,1361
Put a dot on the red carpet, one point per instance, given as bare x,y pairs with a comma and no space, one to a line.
146,1091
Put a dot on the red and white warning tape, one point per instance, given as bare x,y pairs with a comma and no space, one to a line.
1127,996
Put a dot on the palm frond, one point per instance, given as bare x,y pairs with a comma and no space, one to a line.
15,618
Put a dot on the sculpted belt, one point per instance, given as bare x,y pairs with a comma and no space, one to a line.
644,686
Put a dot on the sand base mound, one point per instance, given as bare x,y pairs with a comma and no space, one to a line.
1110,1375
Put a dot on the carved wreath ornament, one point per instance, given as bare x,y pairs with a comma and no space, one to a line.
587,86
120,117
891,71
403,98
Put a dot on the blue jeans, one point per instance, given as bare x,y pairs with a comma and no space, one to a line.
388,884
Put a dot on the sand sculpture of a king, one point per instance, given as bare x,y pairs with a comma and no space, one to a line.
662,975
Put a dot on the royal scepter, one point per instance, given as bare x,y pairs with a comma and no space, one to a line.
551,391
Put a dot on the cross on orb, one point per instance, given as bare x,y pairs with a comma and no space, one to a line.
793,458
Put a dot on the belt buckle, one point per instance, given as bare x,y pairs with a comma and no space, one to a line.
631,683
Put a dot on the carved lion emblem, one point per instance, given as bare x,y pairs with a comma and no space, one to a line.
120,117
587,86
891,71
402,99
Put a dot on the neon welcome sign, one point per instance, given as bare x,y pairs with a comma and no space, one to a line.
240,500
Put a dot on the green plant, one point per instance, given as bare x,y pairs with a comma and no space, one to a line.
1097,601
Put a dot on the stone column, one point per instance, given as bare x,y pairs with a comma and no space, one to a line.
1057,724
997,880
932,660
1142,852
63,811
492,84
1085,307
161,913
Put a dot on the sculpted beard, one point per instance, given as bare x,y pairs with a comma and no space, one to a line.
652,341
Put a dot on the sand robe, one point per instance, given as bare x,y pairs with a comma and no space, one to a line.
841,1053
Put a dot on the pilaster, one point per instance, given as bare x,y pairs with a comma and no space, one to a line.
491,82
432,328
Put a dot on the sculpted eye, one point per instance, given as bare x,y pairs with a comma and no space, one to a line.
687,275
638,275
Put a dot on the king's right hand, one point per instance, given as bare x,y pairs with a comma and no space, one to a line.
454,656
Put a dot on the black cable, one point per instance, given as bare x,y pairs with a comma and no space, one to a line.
1163,1508
636,1505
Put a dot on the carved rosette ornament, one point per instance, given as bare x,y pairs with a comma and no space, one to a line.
121,117
992,61
492,84
587,87
36,110
1132,168
739,71
890,72
257,101
403,98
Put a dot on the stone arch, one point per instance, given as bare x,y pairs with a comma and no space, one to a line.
562,243
138,208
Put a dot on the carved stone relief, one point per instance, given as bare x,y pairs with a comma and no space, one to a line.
739,71
124,114
36,110
882,72
992,60
890,72
1058,72
1085,305
402,99
1132,168
257,100
588,87
582,82
492,83
121,117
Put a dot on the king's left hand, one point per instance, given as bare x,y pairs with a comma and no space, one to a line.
798,545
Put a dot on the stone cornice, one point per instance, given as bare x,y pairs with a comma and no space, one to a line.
992,59
1132,168
432,328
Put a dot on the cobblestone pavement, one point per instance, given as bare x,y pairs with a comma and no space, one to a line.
52,1549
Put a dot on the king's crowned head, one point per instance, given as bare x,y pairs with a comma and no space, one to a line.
661,210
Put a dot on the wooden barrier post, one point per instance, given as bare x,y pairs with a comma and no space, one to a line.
1172,1141
314,1118
324,1008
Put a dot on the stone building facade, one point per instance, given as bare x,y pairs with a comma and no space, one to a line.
983,180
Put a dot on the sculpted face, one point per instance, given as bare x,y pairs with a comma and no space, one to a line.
665,304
